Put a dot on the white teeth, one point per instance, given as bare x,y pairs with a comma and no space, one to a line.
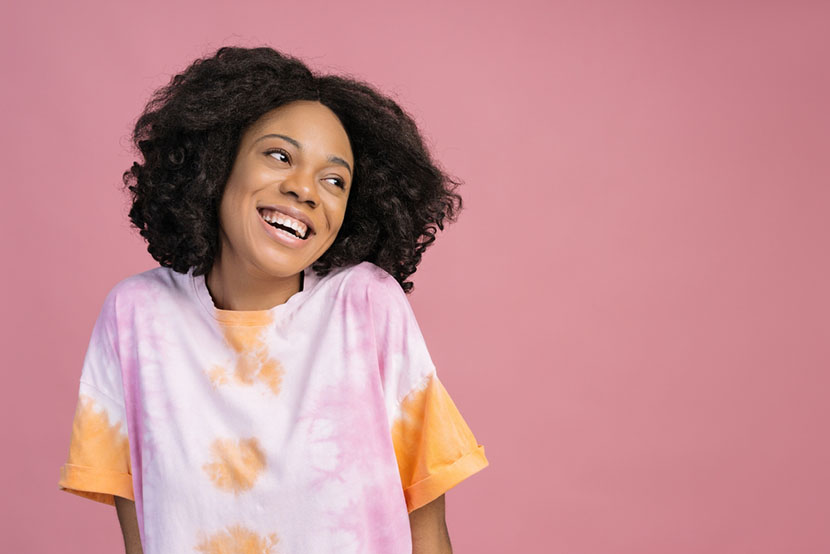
287,221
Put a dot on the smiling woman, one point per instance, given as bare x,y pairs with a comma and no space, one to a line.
268,388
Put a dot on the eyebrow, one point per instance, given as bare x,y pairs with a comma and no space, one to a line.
333,159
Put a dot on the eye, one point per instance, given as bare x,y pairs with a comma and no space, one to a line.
338,182
278,151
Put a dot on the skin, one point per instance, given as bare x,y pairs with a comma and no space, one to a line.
252,271
125,508
429,529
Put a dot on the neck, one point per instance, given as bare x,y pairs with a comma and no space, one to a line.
233,287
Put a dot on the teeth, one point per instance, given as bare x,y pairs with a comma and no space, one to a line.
283,219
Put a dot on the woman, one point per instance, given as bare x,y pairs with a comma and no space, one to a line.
267,388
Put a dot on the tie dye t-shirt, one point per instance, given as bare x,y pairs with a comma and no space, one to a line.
315,426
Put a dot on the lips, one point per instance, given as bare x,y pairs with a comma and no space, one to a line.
282,236
290,212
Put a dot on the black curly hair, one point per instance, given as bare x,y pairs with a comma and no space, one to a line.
189,133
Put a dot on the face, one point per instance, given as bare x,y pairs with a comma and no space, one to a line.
294,169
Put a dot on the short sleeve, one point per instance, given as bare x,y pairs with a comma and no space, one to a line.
434,447
98,464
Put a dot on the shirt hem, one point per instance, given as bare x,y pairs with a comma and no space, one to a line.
97,484
428,489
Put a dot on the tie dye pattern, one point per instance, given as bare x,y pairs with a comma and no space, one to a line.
314,426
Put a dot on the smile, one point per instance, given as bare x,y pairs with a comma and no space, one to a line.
286,223
282,233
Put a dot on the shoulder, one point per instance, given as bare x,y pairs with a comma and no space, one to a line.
373,284
373,277
142,286
136,284
366,290
377,294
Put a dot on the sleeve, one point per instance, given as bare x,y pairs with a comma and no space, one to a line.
98,464
434,446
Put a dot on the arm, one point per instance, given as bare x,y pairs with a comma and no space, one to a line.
429,529
129,525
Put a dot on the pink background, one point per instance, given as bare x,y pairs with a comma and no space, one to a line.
631,313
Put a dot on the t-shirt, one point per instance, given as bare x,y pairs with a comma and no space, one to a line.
313,426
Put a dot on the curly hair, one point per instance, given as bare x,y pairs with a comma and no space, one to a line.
189,133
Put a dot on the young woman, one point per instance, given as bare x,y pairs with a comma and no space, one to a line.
267,388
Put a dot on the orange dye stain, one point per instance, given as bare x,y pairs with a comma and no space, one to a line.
96,442
217,375
237,539
243,338
253,361
270,374
429,433
236,464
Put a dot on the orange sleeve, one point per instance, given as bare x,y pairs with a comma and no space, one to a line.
435,448
98,465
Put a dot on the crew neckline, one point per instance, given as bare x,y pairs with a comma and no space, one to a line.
251,317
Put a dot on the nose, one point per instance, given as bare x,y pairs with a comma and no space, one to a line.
303,186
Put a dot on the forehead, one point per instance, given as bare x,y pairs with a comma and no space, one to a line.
307,122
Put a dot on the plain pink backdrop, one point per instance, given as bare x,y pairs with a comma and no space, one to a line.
631,313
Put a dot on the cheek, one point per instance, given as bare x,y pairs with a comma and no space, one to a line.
335,213
236,200
232,221
338,224
227,218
